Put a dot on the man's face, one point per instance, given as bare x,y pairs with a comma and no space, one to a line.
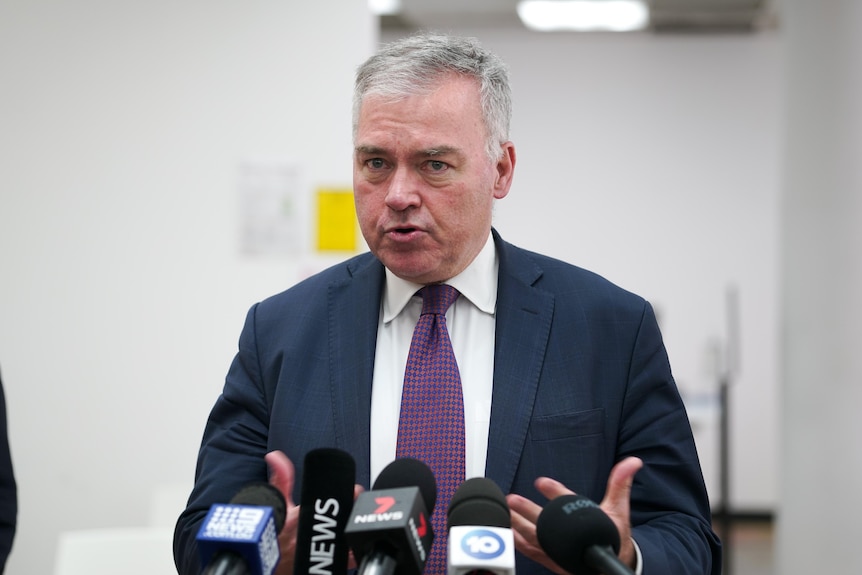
424,185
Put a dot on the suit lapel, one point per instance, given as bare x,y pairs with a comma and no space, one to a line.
354,307
524,315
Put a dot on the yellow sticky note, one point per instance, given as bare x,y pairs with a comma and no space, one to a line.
336,220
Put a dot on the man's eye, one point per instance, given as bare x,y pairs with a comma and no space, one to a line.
437,165
376,164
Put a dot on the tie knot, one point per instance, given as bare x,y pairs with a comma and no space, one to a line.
437,298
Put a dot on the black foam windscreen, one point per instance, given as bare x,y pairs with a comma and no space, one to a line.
409,472
328,470
569,525
265,495
479,501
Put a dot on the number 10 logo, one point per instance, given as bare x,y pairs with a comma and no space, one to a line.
482,544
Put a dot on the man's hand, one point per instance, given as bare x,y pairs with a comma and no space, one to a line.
616,504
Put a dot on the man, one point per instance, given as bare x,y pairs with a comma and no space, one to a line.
566,383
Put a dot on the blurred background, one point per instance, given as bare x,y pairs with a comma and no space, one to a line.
164,165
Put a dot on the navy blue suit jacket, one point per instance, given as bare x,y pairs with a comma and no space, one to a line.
581,380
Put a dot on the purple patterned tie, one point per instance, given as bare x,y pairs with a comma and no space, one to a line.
431,426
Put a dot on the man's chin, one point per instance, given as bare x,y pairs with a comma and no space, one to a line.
410,270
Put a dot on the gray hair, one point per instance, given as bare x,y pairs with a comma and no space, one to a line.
415,65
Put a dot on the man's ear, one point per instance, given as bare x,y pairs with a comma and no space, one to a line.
505,170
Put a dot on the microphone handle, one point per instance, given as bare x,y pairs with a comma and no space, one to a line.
605,561
377,563
227,563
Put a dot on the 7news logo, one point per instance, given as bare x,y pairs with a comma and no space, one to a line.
382,513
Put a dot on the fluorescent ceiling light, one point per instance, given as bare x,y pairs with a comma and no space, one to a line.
384,7
584,15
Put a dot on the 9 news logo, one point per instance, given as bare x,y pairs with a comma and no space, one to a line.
482,544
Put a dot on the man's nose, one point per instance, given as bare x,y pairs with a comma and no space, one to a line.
404,189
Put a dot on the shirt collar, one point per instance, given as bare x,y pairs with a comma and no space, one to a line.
478,283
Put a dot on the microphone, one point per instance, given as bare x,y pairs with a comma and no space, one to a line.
328,477
241,537
389,528
580,537
480,530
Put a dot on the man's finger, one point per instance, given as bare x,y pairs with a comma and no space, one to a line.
551,488
620,483
528,510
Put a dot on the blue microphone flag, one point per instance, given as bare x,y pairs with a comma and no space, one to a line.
247,530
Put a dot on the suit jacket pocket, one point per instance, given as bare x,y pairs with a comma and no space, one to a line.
571,448
568,425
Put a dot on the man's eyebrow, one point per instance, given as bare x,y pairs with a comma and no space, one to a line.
370,150
439,151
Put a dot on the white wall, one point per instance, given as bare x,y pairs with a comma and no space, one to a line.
122,127
654,160
821,332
